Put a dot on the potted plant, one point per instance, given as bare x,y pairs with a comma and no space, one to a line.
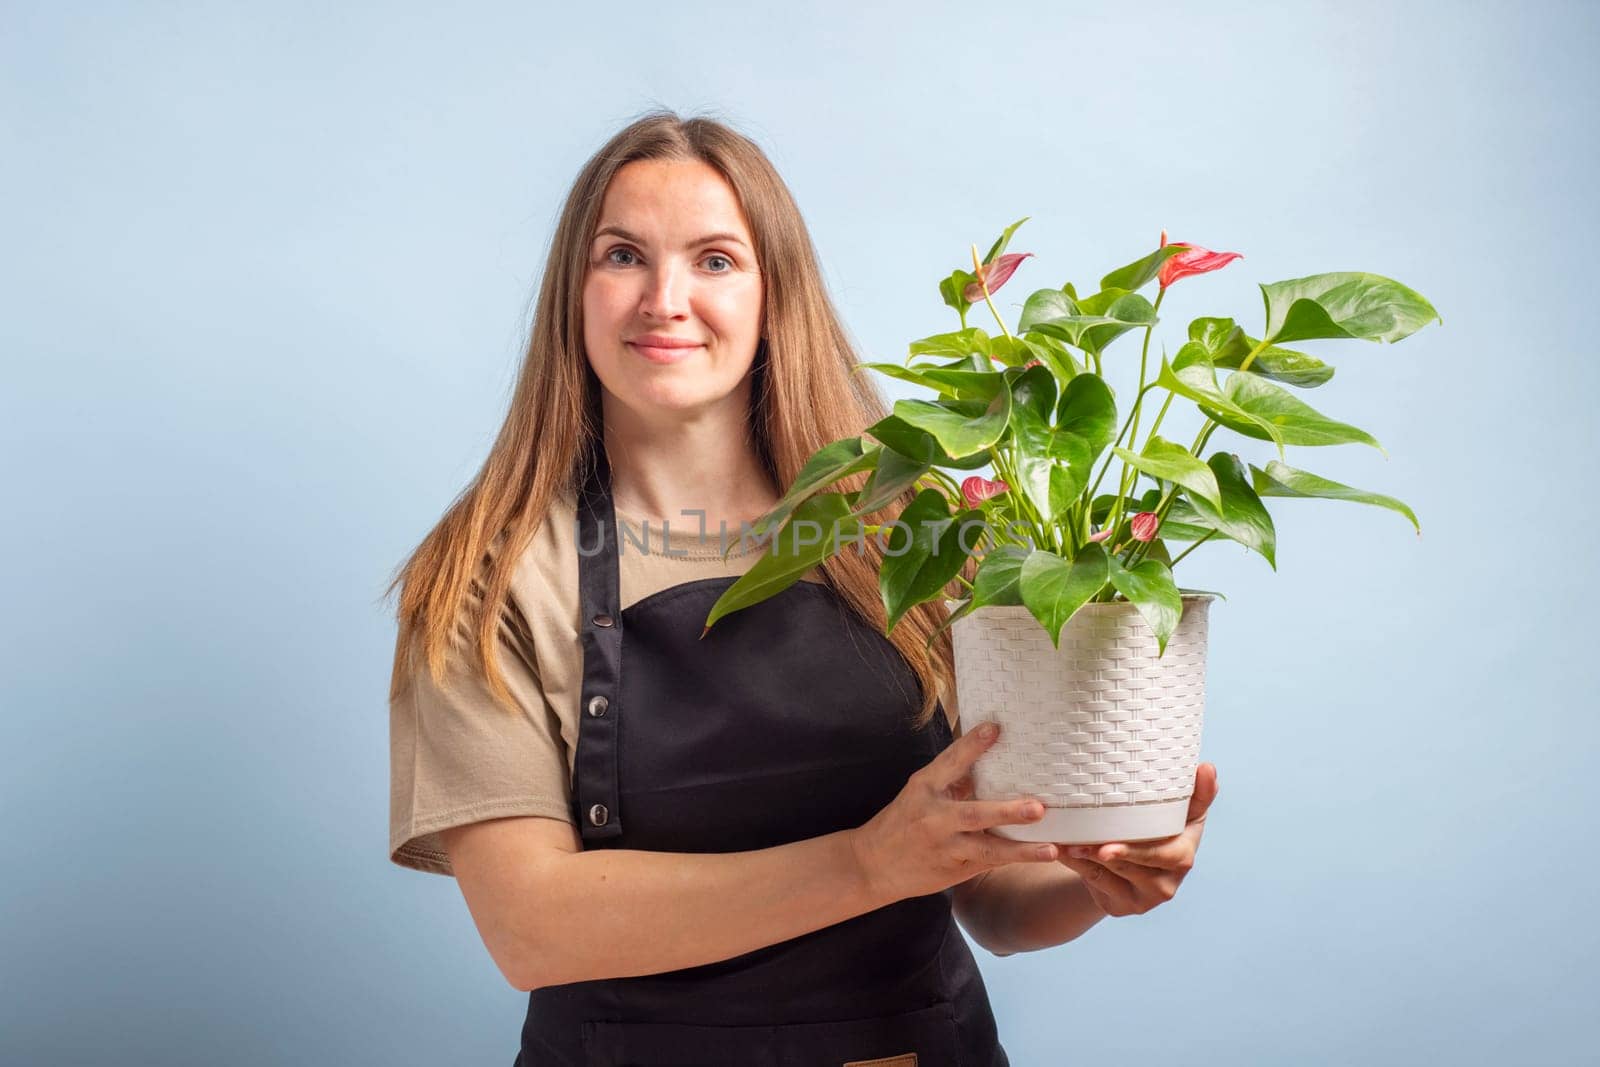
1069,628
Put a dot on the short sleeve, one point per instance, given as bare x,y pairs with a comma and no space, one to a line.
458,756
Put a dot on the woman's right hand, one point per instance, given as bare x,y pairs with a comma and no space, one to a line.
931,836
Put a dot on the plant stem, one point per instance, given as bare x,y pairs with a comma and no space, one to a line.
1179,557
1138,404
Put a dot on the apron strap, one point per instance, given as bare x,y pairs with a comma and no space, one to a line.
595,799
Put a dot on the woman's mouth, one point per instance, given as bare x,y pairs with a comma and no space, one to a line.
665,355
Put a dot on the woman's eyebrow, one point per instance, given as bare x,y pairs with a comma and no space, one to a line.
707,239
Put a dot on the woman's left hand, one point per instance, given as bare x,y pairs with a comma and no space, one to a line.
1130,878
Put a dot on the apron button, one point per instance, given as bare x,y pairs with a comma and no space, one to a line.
603,619
598,705
598,815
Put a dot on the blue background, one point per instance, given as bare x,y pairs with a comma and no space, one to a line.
267,275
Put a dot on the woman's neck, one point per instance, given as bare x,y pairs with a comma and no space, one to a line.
675,468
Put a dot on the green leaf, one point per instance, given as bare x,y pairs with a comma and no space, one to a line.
1014,352
1140,272
1171,462
1102,318
1004,239
1088,410
1227,346
908,440
1282,480
953,289
958,433
1190,374
999,577
1054,354
1242,517
1148,585
957,345
826,466
957,384
1045,305
815,531
998,581
1031,436
1034,389
1296,422
1053,589
1368,307
925,550
894,474
1069,475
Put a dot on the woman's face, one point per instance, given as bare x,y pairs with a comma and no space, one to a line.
672,259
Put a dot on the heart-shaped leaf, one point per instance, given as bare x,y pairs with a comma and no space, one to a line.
1242,517
1148,585
1228,346
1053,589
1368,307
908,440
1140,272
1088,409
958,432
1282,480
826,466
816,530
925,550
1295,421
1171,462
1190,374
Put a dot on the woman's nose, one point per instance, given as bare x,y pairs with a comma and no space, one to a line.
666,292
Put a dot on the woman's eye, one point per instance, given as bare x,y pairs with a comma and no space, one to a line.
623,250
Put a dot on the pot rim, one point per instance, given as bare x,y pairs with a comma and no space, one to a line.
1114,605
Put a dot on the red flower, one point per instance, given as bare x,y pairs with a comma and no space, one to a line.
1143,526
977,489
994,274
1102,535
1192,260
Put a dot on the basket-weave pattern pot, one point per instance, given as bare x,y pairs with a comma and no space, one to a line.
1100,730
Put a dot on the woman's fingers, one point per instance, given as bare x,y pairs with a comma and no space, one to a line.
1114,894
982,814
956,760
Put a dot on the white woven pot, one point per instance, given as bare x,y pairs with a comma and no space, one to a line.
1100,730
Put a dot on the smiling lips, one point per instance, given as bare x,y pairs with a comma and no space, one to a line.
658,348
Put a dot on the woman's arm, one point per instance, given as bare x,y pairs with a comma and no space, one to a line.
1023,907
550,912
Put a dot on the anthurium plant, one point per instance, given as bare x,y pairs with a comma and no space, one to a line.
1031,404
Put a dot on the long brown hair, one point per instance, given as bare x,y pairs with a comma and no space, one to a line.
804,396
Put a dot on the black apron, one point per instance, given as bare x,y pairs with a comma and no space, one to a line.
790,720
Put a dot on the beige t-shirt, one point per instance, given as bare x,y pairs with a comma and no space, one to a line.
456,757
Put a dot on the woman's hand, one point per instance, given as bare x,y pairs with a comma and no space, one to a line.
931,836
1130,878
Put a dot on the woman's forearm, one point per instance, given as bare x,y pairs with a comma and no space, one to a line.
611,913
1023,907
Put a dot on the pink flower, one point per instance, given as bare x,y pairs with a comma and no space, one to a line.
1143,526
1192,260
1031,363
1102,535
993,274
977,489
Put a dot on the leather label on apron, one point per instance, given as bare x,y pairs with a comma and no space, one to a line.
908,1060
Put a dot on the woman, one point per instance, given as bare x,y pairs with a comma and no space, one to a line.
744,848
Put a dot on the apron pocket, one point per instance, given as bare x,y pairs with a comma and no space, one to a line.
923,1038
